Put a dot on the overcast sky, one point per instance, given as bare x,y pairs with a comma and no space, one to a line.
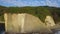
20,3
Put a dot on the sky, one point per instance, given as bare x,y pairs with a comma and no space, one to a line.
20,3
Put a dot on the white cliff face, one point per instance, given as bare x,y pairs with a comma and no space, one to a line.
24,23
49,21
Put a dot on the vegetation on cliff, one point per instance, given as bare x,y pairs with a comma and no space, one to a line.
40,11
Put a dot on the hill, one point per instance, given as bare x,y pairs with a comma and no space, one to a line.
40,11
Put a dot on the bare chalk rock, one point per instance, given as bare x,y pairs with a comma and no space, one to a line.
49,21
24,23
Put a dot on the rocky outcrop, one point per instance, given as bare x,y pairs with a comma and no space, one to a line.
24,23
49,21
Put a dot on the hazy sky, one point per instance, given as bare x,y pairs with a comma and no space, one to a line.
30,3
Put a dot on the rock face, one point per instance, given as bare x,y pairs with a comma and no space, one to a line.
49,21
24,23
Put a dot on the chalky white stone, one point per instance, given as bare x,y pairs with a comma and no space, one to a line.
49,21
24,23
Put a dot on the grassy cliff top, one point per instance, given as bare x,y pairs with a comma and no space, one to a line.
40,11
